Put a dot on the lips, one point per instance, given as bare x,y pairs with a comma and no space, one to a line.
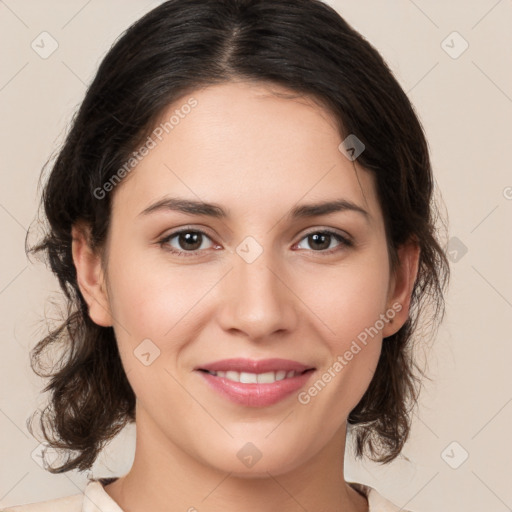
254,383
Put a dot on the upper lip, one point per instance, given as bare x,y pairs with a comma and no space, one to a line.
254,366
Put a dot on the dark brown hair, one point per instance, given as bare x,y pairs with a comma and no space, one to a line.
183,45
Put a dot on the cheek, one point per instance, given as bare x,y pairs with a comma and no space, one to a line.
149,299
149,310
350,304
157,310
349,298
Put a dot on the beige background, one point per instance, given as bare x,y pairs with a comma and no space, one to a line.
465,105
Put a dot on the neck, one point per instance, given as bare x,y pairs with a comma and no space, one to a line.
165,477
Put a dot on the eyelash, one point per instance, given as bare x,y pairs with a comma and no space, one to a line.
164,241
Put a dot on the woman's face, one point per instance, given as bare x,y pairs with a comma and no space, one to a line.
257,280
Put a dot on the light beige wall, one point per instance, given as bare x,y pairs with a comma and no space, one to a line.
465,105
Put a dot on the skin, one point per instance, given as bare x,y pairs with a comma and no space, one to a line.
257,156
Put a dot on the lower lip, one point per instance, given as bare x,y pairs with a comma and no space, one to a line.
256,395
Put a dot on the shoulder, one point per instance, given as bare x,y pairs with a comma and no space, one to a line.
94,493
67,504
376,502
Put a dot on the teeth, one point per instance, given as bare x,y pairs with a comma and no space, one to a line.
280,375
246,378
256,378
267,378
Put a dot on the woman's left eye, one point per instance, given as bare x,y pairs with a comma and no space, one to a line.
320,237
190,241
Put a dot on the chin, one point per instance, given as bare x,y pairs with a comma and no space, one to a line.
256,460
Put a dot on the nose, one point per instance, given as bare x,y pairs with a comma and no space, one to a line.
257,298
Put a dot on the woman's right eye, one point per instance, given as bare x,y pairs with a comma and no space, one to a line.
190,240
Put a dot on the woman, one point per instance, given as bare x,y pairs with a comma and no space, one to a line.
242,221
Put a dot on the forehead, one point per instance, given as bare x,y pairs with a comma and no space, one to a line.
249,146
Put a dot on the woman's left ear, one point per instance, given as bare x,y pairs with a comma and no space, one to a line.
401,286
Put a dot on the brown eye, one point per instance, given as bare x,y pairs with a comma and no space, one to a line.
320,241
187,241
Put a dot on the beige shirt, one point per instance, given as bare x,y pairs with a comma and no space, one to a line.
95,499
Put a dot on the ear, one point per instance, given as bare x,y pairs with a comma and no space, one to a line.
401,286
90,275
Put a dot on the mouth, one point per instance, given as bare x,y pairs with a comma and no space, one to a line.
256,378
255,383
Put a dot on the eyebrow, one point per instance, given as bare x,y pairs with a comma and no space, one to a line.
216,211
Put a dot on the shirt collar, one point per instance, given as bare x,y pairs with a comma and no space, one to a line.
96,499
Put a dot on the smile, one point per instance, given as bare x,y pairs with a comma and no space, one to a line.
255,382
